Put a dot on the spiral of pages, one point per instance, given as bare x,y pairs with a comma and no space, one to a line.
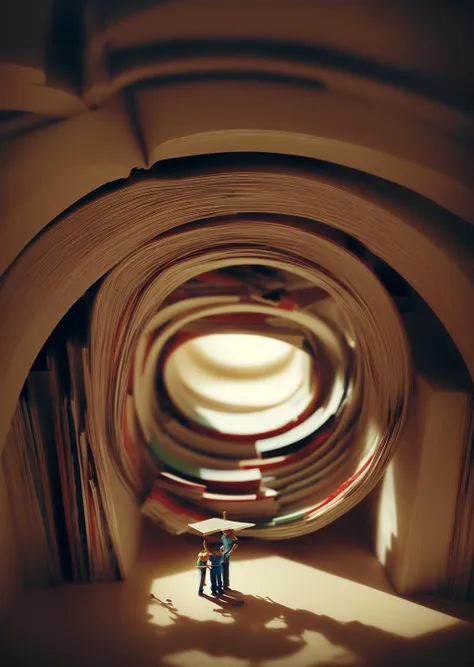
346,401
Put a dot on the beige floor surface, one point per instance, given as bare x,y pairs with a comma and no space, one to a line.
320,600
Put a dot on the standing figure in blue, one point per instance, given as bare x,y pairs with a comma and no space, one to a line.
229,544
215,561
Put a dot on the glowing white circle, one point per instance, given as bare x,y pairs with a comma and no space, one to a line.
243,353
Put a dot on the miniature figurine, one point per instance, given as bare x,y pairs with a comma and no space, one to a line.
229,543
203,566
215,560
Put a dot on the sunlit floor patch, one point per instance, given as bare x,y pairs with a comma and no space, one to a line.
303,606
292,615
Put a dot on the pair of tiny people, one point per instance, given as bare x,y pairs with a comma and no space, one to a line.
217,560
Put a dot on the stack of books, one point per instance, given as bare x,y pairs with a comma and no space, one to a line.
59,512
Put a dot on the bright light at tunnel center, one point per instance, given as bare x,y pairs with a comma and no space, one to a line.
240,383
249,352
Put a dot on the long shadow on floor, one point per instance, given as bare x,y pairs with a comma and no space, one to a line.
115,624
261,629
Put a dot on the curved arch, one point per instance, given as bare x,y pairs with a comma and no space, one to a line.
45,172
77,251
50,169
437,186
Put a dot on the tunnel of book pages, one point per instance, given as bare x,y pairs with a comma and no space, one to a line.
251,389
246,380
327,225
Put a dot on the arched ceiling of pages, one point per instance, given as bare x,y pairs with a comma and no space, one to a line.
167,79
376,107
77,250
62,163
